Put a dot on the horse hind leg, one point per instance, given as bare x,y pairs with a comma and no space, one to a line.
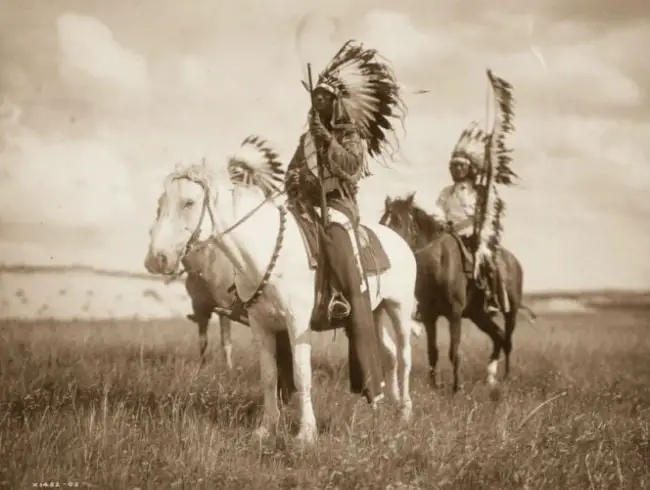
484,322
510,324
455,325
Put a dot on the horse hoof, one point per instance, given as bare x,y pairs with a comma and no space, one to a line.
495,393
306,437
261,433
433,381
405,413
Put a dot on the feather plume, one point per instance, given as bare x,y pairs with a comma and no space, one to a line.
490,208
498,152
368,93
255,163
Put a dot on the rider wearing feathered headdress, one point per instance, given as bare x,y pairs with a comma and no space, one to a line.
353,104
471,206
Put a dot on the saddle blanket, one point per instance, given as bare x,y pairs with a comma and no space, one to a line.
372,255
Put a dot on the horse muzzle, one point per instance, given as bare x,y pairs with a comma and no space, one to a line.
160,263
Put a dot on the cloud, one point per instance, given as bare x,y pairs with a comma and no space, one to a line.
212,74
74,183
87,45
397,38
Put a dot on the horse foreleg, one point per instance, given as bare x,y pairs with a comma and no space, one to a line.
269,376
226,341
430,319
300,338
455,322
202,318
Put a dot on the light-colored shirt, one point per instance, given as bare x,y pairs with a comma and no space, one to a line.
456,205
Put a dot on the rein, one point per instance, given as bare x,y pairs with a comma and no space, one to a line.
237,311
413,230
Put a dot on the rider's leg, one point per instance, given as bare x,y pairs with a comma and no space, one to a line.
361,332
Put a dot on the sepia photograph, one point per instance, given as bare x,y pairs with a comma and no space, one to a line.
282,244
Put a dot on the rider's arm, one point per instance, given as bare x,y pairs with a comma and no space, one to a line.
439,213
345,153
292,175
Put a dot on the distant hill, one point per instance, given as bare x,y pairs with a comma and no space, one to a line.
78,292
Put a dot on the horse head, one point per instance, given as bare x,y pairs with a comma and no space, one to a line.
410,221
189,195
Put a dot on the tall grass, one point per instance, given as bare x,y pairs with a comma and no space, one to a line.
125,405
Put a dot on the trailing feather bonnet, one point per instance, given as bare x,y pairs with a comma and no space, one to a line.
495,166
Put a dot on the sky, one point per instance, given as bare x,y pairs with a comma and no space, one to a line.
101,99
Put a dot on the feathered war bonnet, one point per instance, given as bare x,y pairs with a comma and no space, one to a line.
256,163
367,94
470,148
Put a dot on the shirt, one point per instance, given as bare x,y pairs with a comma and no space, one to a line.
343,155
457,204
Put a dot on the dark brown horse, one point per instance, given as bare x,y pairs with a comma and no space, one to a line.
443,288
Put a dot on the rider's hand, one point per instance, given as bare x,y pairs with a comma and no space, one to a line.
317,128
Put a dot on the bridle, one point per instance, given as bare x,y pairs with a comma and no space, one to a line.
239,306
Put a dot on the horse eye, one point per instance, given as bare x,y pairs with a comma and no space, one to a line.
188,204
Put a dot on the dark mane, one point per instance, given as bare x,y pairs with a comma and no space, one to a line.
409,219
425,223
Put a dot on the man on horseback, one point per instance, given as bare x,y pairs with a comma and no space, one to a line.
456,209
351,103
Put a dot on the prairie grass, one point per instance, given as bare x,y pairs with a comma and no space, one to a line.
119,405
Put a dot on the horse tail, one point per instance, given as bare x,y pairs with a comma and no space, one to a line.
532,316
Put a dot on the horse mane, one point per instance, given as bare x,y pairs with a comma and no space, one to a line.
419,221
425,223
196,172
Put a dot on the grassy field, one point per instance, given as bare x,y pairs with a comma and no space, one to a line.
125,405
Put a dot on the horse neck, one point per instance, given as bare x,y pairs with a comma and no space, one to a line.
240,215
427,229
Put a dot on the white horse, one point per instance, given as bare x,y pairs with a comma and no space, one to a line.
272,276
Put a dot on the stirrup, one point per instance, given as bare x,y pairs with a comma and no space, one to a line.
339,307
492,309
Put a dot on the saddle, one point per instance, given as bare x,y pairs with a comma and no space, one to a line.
373,257
493,281
331,309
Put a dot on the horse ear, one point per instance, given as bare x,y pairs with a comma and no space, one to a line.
410,198
387,202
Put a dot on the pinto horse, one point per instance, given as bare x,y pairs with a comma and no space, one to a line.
443,288
275,283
